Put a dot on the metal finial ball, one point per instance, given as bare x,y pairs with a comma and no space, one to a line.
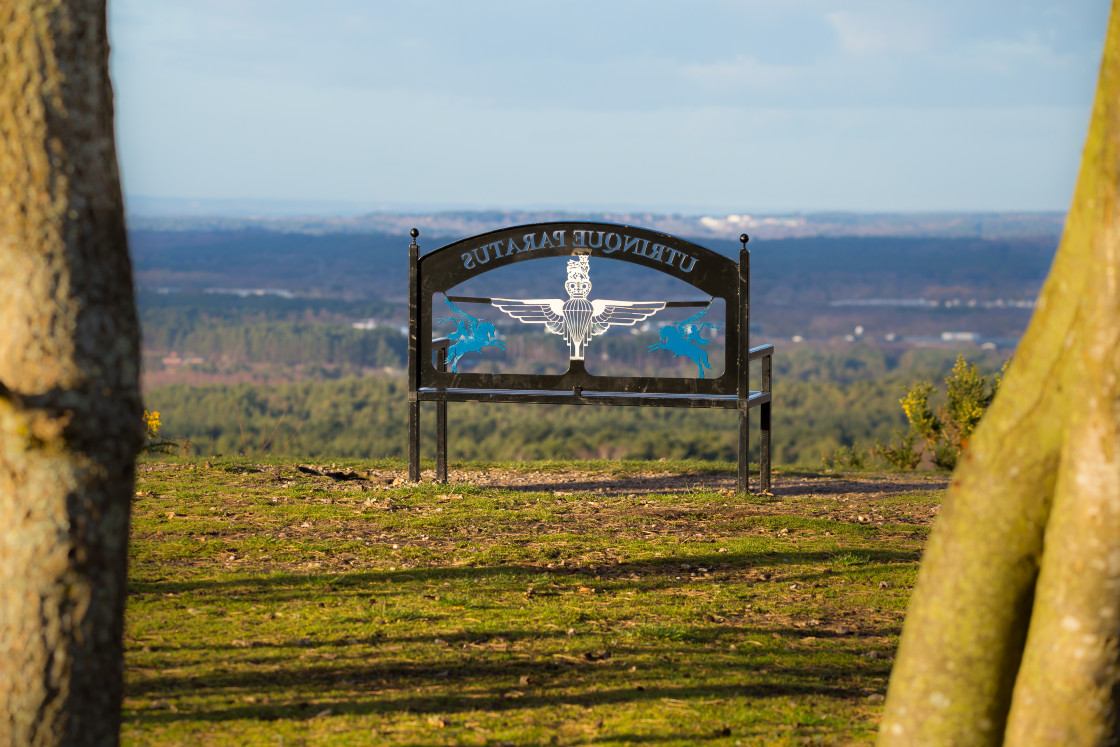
414,233
743,239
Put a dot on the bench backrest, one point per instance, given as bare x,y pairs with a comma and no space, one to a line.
435,273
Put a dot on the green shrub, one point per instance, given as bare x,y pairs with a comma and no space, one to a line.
846,457
941,434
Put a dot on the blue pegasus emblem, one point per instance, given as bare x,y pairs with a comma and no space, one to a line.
470,335
684,338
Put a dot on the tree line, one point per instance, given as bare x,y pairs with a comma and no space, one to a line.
280,343
823,401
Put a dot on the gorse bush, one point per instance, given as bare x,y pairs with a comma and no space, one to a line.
155,443
941,434
151,425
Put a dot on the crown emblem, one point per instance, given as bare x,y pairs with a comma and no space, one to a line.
578,284
579,269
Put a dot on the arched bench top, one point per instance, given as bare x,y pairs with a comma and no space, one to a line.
464,259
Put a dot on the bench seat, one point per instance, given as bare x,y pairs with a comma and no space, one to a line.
572,397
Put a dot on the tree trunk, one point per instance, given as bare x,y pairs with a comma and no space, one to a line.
1013,630
70,411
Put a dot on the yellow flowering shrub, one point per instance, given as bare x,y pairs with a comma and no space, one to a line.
916,406
155,442
151,424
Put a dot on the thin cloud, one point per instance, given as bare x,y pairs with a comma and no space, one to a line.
889,29
1008,56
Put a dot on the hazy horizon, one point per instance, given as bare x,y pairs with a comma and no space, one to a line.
150,206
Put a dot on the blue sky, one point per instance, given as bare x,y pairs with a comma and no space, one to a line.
693,107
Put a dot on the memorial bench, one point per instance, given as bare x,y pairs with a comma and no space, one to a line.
433,361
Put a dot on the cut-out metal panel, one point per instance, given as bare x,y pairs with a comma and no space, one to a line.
569,308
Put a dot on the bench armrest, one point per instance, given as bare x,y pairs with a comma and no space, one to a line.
441,343
762,351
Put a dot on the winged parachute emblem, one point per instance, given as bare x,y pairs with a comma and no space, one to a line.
577,319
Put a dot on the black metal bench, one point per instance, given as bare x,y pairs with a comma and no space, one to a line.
578,319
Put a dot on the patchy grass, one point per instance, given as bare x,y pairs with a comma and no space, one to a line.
293,604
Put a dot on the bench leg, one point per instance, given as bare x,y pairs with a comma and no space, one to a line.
441,442
764,441
764,446
414,441
744,451
441,424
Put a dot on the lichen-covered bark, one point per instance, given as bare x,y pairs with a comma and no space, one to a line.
69,399
1037,489
1070,674
1065,692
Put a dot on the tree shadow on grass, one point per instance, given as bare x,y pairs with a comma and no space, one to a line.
666,571
485,670
626,485
490,685
785,483
490,640
870,487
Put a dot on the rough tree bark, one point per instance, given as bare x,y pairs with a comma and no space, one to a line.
1013,633
70,409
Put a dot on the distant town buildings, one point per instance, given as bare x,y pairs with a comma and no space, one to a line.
370,324
246,292
933,303
735,222
174,359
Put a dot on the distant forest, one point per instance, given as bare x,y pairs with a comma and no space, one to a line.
822,401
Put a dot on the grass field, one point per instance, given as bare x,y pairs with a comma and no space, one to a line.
592,603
